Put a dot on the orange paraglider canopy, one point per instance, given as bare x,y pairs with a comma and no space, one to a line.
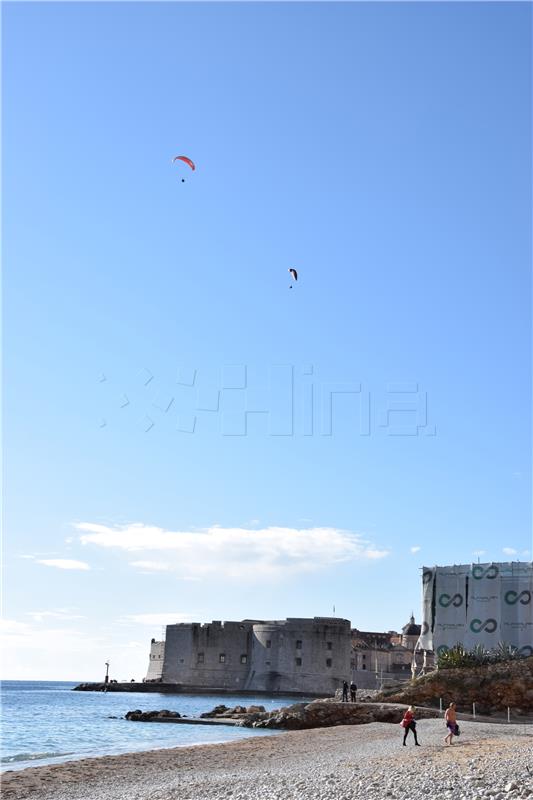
187,161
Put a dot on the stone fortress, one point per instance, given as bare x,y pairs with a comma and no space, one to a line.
310,656
467,604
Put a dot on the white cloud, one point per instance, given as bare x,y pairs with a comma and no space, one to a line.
236,552
151,566
370,553
509,551
63,563
23,634
60,614
163,618
11,627
415,549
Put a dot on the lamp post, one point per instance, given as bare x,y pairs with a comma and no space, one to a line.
106,679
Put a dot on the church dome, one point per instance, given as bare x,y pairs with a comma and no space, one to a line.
411,629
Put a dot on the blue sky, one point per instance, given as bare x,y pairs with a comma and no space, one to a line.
381,150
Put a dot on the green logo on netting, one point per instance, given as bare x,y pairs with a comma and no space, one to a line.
489,625
446,600
479,571
512,597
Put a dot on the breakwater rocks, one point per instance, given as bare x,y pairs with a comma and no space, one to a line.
300,716
234,713
156,687
151,716
131,686
492,687
220,715
328,713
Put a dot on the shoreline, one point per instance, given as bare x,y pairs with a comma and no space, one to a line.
13,769
361,761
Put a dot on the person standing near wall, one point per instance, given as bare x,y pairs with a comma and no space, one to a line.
353,692
345,692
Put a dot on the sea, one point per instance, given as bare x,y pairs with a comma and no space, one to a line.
45,722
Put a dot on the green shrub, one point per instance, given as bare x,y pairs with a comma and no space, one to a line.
459,656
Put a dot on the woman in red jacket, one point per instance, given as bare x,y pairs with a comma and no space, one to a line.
408,724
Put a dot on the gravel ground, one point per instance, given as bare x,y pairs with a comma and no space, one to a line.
362,762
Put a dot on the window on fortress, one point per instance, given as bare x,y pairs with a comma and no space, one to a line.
298,644
222,658
268,643
298,662
329,645
329,662
200,658
364,666
244,659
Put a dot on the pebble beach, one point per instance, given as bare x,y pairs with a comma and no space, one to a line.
353,762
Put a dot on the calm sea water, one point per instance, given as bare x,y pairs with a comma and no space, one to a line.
46,722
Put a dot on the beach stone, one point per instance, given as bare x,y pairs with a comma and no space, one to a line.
217,711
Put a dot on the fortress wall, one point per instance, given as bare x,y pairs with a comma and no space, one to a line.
178,653
156,661
294,655
215,655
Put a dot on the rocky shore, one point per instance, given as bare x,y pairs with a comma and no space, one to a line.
360,762
329,713
300,716
493,688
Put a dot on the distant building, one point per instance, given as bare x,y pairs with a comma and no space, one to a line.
410,634
309,656
379,658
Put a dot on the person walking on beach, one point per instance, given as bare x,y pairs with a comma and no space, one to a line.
450,718
408,724
353,692
345,692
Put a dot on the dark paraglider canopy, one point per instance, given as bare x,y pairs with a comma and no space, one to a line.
294,276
